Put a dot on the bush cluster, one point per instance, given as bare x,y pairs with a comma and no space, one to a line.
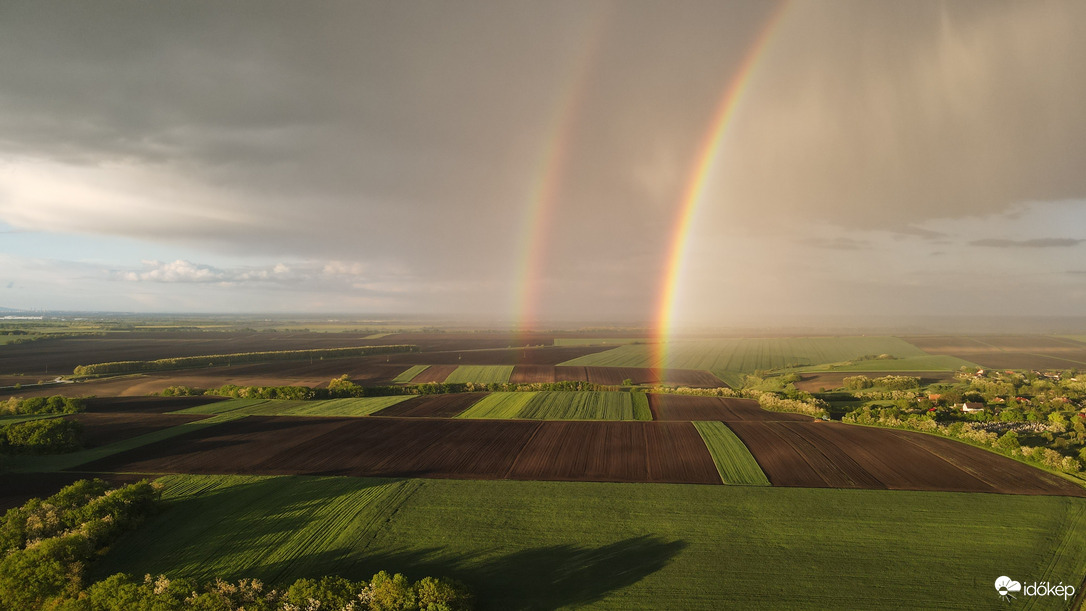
42,405
50,436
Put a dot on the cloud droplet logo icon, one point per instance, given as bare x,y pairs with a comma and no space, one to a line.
1005,585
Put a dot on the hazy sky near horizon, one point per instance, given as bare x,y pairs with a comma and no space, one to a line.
884,158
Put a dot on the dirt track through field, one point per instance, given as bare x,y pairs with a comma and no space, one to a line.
833,455
406,447
723,409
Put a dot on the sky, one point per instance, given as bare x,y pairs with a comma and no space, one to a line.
531,162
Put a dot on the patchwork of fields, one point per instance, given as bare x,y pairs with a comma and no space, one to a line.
538,499
550,545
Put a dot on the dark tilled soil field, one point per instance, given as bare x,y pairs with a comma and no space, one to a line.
533,374
723,409
833,455
433,406
616,451
148,405
1007,351
404,447
100,429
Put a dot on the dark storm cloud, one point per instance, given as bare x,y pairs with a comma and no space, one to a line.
1031,243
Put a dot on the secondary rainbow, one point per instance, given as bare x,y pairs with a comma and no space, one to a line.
694,191
548,178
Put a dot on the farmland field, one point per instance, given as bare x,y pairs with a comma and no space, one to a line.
481,374
725,409
559,405
408,447
1008,351
552,545
732,458
726,358
433,406
101,429
499,405
362,406
410,374
913,363
833,455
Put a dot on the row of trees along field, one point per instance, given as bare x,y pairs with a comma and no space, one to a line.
342,388
46,547
210,360
42,405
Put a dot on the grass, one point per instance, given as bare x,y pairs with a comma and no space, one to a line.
913,363
555,545
410,374
480,374
729,358
499,405
733,460
562,405
59,462
363,406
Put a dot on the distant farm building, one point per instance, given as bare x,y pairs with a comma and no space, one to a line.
972,408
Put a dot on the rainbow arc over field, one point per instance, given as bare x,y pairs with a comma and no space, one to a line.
695,186
547,181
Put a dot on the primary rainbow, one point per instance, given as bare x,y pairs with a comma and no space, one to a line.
548,179
699,177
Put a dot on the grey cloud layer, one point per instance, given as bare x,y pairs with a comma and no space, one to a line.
412,136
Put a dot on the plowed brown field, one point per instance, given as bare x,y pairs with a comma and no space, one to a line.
433,406
643,375
1007,351
616,451
723,409
100,429
533,374
147,405
404,447
833,455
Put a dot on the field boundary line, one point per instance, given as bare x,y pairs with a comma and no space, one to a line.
527,442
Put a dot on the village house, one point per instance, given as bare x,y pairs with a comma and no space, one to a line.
971,407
